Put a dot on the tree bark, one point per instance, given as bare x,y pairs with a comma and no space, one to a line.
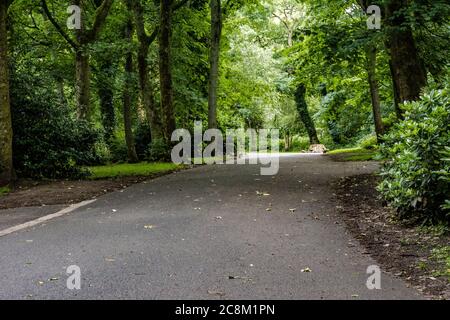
83,85
6,133
374,91
106,96
408,70
216,33
395,91
127,99
165,68
145,86
302,109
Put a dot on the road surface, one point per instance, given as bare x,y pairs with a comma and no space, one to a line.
212,232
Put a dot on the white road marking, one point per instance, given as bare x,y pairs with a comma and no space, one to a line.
32,223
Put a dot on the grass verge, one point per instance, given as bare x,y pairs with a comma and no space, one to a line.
4,191
353,154
442,256
130,170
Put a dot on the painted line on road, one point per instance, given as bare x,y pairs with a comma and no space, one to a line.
32,223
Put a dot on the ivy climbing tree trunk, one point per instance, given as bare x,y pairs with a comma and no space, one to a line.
145,86
371,67
408,71
6,133
165,68
374,92
302,109
216,33
127,93
105,79
83,84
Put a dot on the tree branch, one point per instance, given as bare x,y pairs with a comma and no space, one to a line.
178,5
100,17
58,28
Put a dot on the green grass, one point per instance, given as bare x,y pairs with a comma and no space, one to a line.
347,150
130,170
4,190
354,154
442,255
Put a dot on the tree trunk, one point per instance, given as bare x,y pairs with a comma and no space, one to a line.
127,99
302,109
105,79
145,86
165,69
374,93
395,91
408,71
216,32
147,93
82,85
6,134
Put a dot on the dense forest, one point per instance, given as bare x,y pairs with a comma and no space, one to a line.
90,82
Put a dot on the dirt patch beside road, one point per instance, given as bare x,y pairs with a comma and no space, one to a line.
401,250
32,193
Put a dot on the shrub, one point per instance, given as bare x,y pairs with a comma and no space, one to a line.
368,142
416,173
159,151
118,149
48,141
143,139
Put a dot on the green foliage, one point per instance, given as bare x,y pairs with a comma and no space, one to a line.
298,144
416,173
142,139
442,256
48,141
4,190
369,142
118,149
159,151
130,170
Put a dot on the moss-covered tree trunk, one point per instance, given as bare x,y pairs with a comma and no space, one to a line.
216,33
127,94
303,112
6,134
105,79
83,85
165,68
145,86
374,92
408,71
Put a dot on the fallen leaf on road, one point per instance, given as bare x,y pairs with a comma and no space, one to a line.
216,293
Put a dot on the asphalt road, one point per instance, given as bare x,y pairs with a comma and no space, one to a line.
204,233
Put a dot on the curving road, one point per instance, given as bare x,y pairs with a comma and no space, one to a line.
213,232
